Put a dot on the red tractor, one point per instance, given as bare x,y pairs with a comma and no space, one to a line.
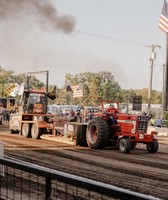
110,127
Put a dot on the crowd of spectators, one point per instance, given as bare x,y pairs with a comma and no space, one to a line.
80,114
157,120
5,114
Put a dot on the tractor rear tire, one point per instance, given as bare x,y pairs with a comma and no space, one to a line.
125,145
35,131
152,147
25,130
97,133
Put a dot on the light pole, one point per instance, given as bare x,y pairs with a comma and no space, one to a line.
1,84
164,88
153,57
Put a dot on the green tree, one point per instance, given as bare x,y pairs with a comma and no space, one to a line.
96,86
101,85
156,96
5,78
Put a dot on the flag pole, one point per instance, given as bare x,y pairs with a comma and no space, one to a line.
163,25
166,72
165,79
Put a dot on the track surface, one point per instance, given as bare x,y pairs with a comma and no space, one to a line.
138,171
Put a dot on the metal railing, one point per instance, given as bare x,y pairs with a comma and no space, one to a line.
21,180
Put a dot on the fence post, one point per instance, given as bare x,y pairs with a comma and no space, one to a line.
1,156
48,188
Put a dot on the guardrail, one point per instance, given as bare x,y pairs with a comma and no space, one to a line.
22,180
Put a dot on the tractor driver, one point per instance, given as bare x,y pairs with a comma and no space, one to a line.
111,110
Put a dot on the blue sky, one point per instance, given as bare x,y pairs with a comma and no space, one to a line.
111,35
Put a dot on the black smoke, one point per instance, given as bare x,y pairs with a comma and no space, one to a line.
42,11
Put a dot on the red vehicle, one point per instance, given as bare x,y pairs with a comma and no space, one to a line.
125,131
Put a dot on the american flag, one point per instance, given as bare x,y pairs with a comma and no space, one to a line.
77,91
163,22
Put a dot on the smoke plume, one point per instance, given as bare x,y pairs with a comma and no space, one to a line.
42,11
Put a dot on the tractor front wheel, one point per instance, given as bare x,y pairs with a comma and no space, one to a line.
125,145
97,133
152,147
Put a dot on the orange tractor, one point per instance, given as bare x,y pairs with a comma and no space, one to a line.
31,119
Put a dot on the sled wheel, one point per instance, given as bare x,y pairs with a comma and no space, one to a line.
125,145
35,131
152,147
26,130
97,133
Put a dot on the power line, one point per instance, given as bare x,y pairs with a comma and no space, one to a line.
23,18
108,37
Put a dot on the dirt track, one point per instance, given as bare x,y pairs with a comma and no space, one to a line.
138,171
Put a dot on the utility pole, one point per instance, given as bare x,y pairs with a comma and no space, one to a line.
153,57
163,87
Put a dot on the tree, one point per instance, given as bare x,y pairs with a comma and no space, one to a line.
96,86
5,78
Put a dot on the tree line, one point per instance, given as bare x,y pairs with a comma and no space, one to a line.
96,86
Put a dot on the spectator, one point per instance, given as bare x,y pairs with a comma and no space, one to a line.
61,113
79,114
1,109
112,111
4,111
1,115
159,122
85,112
71,113
7,116
152,121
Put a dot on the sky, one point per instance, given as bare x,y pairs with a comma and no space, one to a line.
77,36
